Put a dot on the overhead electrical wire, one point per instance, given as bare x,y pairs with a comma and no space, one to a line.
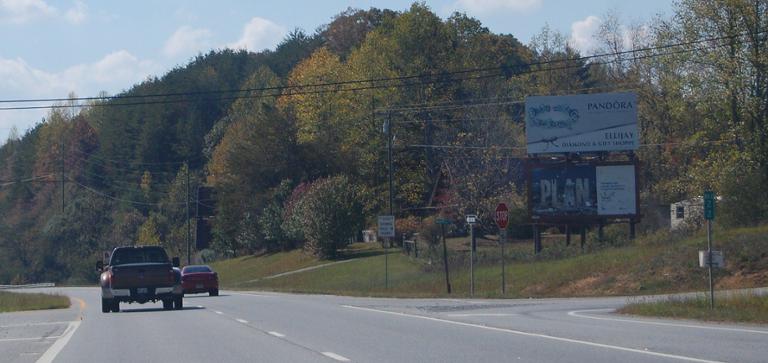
505,71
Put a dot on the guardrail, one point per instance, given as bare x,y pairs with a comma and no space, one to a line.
27,286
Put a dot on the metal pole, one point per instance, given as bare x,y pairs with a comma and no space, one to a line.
709,262
391,196
472,260
189,246
536,239
445,260
502,240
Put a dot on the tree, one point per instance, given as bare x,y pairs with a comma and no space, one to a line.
331,215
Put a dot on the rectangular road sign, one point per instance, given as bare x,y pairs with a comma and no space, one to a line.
717,259
443,221
709,205
387,226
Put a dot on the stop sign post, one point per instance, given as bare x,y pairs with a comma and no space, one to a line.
501,216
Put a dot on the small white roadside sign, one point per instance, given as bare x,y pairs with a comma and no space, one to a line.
387,226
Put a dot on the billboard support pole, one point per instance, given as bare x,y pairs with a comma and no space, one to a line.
536,239
600,234
583,236
567,234
631,228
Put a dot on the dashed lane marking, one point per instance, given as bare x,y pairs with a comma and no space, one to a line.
335,356
274,333
242,321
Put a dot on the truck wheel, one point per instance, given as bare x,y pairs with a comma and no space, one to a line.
178,303
167,304
214,292
106,305
115,306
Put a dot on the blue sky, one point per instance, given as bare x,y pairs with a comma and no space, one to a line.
51,48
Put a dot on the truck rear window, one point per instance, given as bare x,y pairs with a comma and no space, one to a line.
138,255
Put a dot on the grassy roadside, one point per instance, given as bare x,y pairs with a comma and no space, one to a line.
13,301
651,265
741,308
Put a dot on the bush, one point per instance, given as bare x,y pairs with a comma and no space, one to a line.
329,215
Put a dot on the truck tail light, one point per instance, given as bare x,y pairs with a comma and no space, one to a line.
171,277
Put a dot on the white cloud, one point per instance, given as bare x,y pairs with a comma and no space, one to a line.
488,6
26,11
259,34
77,14
187,41
23,11
583,34
113,73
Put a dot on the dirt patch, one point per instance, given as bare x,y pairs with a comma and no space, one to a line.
740,280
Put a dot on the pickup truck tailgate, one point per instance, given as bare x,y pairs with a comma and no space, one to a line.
142,275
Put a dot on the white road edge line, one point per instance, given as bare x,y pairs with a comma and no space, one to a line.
536,335
335,356
242,321
60,343
274,333
577,313
478,315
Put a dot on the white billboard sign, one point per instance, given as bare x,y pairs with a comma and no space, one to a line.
615,189
579,123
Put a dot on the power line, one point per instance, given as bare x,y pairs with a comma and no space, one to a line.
506,71
135,202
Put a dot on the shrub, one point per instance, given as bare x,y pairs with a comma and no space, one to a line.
329,214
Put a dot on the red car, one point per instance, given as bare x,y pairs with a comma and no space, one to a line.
197,279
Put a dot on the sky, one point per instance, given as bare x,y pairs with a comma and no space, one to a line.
51,48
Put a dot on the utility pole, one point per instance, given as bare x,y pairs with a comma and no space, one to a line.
61,160
388,126
189,230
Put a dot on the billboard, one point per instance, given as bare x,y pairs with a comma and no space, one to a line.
581,123
582,191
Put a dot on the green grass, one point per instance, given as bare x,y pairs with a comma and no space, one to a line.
743,308
241,271
12,301
652,265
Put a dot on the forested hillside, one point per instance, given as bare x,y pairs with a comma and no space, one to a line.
291,140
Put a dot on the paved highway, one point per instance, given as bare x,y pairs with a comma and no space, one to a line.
269,327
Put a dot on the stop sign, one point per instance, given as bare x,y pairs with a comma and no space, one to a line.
501,216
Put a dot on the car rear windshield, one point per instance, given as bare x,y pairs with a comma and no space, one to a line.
124,256
196,269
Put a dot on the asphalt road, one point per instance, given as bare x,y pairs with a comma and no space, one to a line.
268,327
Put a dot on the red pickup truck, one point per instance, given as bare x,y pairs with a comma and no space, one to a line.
140,274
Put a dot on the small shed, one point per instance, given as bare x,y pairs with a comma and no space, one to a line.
686,213
369,236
